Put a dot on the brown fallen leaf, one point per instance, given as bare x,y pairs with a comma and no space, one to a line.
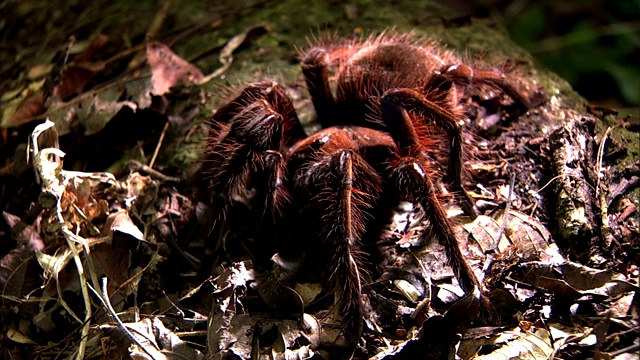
168,69
121,222
17,277
76,76
94,109
23,108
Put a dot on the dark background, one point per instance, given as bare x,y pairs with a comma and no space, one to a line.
593,44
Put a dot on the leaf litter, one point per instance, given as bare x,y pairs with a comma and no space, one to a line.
104,265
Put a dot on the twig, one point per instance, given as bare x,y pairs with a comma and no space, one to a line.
146,170
157,150
629,349
159,19
491,252
505,218
59,264
83,287
548,183
104,298
94,229
604,210
156,24
67,52
87,251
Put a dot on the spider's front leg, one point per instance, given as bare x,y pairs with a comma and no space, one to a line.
394,106
335,191
277,100
411,179
244,159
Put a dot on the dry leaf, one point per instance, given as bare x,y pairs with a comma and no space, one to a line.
22,109
527,345
16,277
121,222
158,341
17,336
168,69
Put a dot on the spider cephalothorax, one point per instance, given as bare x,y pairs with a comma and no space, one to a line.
316,197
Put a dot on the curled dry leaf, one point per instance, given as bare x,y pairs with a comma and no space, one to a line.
571,279
234,333
226,54
17,336
121,222
16,277
522,233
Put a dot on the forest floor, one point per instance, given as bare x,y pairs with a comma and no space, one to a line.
107,215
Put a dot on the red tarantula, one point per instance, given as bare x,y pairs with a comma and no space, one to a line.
318,196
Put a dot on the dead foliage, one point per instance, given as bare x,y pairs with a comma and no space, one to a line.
98,264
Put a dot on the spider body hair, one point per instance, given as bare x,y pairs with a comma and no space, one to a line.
390,107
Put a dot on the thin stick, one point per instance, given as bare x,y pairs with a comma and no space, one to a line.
548,183
604,210
104,298
83,287
157,150
491,252
146,170
505,218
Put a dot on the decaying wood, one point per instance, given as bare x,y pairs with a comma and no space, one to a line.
572,160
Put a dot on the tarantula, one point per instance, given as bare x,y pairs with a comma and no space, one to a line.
319,196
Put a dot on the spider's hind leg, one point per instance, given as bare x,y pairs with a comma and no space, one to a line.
315,67
414,184
466,76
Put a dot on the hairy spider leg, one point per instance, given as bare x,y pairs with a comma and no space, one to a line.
275,95
411,180
315,68
247,139
395,105
344,269
339,188
466,76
